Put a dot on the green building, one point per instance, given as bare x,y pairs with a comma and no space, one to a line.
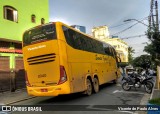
16,16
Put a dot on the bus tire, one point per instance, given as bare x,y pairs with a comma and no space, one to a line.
96,85
114,81
89,87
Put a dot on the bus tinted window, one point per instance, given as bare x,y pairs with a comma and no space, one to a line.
82,42
39,34
69,37
106,49
112,52
88,45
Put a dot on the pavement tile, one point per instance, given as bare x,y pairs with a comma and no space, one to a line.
9,97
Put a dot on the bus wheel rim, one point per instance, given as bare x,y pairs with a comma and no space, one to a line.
89,87
96,85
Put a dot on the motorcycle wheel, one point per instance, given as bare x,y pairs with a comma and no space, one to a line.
151,83
148,87
126,86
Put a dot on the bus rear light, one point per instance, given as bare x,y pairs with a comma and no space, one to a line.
27,81
63,76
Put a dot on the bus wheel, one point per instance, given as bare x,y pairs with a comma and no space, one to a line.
114,81
96,85
89,87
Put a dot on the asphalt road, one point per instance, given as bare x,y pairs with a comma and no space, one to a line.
109,94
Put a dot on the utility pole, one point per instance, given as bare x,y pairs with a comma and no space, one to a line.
154,27
153,17
150,18
156,8
157,30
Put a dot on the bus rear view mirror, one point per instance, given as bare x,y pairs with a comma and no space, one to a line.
119,59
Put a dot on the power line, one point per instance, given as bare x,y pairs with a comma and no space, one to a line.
134,36
118,25
146,18
124,30
128,27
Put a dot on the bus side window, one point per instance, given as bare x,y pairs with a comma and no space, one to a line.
84,43
114,52
88,45
106,49
101,50
68,36
93,45
111,51
96,46
77,41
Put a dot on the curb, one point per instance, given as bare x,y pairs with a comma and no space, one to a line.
18,100
145,98
17,90
153,90
13,102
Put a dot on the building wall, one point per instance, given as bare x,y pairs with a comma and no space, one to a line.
100,32
120,46
14,30
80,28
11,33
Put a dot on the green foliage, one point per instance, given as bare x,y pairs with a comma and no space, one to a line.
154,47
131,51
143,61
149,49
155,101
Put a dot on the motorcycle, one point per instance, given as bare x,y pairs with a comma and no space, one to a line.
135,80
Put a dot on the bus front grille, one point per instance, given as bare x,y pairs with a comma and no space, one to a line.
40,59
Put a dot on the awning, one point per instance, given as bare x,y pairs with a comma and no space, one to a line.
5,50
18,51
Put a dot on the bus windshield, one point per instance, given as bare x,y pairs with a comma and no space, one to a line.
39,34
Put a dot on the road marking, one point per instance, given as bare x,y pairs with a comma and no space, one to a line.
132,92
117,91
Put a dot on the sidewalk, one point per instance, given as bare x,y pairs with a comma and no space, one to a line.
12,97
156,94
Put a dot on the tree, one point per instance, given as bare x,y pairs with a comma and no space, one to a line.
150,50
143,61
131,51
154,48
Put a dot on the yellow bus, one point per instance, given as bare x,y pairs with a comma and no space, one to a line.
59,59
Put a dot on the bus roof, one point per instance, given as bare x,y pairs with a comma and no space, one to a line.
70,28
84,33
